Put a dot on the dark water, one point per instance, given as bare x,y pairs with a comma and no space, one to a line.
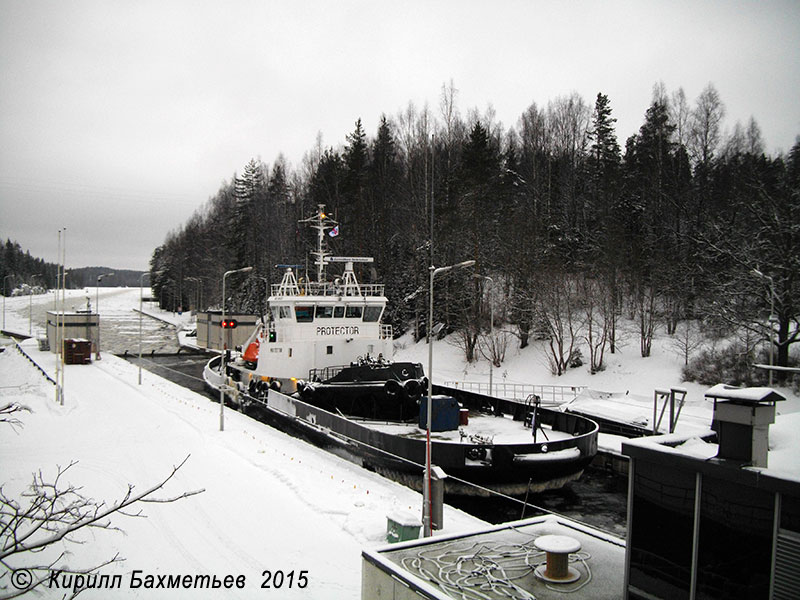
598,498
183,369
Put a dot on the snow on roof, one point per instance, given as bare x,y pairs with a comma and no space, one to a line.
752,394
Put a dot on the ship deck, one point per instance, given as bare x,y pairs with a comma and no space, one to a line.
500,430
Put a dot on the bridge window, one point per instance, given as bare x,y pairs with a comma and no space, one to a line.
353,312
304,314
372,313
324,312
338,312
284,312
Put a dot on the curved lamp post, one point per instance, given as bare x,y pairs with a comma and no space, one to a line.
491,325
426,487
4,299
30,305
97,309
769,278
141,284
222,347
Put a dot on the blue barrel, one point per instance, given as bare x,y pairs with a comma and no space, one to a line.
444,413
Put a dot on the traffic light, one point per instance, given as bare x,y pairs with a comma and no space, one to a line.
229,324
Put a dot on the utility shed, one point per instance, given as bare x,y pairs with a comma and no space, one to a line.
208,329
82,325
503,561
713,520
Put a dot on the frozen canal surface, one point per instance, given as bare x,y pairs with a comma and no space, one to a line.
119,323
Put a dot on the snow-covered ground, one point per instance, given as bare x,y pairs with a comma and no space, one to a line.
271,502
626,372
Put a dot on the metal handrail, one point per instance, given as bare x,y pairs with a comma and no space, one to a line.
550,394
330,289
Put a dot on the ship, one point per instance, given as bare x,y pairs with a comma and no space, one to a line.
319,366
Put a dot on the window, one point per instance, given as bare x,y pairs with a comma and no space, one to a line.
324,312
661,528
735,540
284,312
338,312
353,312
304,314
328,349
372,313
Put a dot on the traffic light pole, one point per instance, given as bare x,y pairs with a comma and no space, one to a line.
223,348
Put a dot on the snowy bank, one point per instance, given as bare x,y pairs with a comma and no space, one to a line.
271,502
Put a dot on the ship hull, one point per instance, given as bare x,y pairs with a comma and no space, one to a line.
472,468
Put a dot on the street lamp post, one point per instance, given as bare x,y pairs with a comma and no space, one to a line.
491,327
141,284
197,284
30,305
769,278
426,487
5,293
97,309
222,348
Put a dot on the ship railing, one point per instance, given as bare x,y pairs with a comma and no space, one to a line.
325,373
551,395
328,288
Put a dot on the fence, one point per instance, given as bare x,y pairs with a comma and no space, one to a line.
552,395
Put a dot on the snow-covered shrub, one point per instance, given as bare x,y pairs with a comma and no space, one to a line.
731,364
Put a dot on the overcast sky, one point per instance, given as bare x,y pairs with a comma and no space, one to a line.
118,119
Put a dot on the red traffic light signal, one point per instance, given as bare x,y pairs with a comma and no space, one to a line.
229,324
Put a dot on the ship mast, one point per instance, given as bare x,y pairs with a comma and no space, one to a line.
322,223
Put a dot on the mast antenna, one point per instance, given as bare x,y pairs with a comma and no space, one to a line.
322,223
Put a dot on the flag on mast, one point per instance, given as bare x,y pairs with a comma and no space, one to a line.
334,232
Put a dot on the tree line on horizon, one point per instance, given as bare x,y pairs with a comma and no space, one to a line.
571,232
22,271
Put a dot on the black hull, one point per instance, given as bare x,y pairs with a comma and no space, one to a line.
508,468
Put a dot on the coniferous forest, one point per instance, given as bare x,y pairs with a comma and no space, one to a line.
688,227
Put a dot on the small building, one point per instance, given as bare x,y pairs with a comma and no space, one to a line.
711,520
209,332
79,325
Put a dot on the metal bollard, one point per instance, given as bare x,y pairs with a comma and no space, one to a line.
437,497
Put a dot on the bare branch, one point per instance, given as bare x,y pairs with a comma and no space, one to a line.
53,512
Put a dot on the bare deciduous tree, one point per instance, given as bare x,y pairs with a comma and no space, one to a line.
52,511
600,319
706,121
8,412
557,308
493,346
687,339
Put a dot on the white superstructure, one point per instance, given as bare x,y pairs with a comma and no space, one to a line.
318,324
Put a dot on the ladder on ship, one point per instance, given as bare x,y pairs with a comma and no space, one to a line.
532,403
668,397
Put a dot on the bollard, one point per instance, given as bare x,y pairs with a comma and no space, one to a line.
437,497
